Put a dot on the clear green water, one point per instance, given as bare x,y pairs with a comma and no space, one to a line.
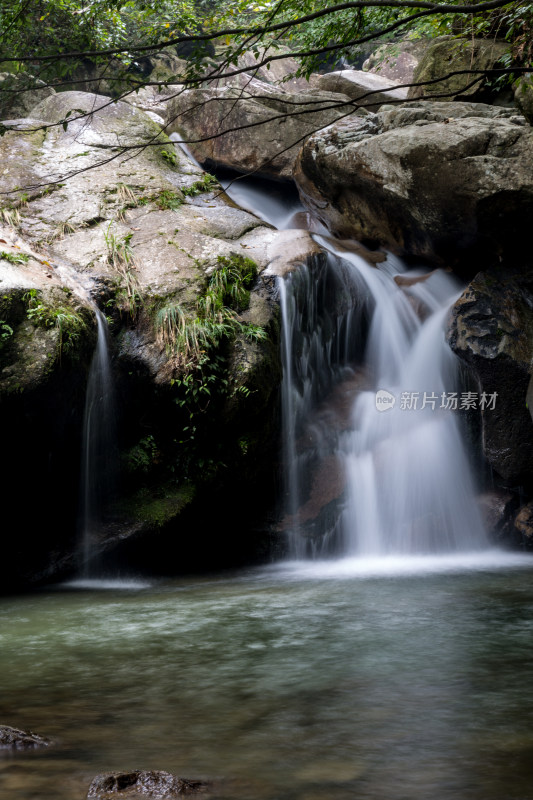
329,682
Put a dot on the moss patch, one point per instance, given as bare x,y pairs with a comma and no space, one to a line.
155,508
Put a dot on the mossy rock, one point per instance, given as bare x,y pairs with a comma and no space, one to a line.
523,95
448,54
153,509
39,330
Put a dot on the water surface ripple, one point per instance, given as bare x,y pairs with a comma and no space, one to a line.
326,681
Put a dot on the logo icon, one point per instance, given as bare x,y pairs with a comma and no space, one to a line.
384,400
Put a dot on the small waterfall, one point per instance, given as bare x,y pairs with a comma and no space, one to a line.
279,208
366,474
359,480
98,469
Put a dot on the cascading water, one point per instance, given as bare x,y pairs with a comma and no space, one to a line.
393,442
98,471
364,476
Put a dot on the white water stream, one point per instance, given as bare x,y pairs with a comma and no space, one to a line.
409,486
98,471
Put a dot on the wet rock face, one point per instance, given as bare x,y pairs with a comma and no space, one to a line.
447,182
491,330
140,233
15,739
497,508
142,784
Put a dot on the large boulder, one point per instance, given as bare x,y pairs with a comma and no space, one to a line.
278,71
438,180
20,93
448,55
165,69
491,330
397,60
115,79
369,90
258,130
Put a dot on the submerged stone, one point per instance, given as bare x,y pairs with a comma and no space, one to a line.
142,783
15,739
524,523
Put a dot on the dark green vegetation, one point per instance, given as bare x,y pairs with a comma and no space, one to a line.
199,341
69,323
116,40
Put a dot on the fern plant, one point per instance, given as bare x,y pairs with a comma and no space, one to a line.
215,316
120,257
69,323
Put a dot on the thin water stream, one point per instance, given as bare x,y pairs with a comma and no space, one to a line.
99,455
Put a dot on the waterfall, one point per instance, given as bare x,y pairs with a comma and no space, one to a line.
98,469
375,463
365,473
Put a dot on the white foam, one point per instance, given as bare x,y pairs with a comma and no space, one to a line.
404,566
106,584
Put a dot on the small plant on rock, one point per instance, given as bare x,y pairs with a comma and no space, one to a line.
69,323
15,258
205,184
168,200
120,257
6,332
170,157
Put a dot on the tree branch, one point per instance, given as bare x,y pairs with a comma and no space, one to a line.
432,8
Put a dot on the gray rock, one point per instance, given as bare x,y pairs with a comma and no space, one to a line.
497,508
370,90
158,785
20,93
397,60
448,54
523,95
166,67
279,72
263,132
15,739
422,183
399,116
